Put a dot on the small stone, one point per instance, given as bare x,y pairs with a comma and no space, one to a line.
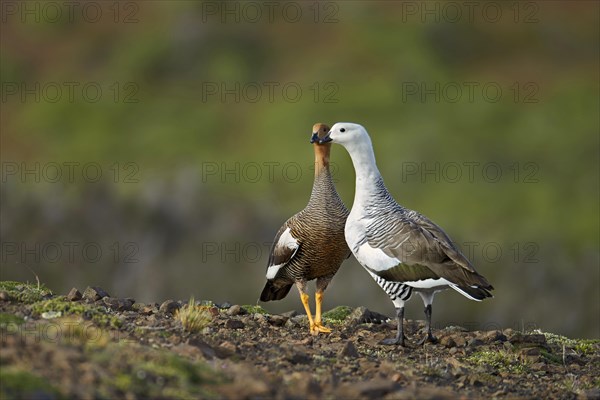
493,336
74,295
475,342
521,339
147,309
4,296
169,307
289,314
362,315
51,314
447,341
207,351
531,354
291,324
94,293
234,324
214,311
118,304
398,377
300,319
349,350
234,310
226,350
225,305
460,341
299,358
260,317
277,320
538,366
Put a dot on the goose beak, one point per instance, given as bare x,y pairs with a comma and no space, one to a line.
326,139
315,137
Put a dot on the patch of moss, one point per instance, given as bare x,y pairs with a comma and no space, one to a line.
153,373
338,314
581,346
587,346
97,314
499,360
254,309
123,382
10,319
556,359
27,293
19,384
77,331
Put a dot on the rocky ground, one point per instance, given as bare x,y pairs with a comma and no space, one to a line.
91,345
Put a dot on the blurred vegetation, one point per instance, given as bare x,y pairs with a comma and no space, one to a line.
168,227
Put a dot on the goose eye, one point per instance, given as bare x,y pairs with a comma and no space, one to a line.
343,130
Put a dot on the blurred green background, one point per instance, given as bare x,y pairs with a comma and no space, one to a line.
197,116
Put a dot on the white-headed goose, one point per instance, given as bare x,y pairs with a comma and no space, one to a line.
401,249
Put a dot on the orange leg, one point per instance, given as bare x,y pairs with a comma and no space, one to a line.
304,298
318,325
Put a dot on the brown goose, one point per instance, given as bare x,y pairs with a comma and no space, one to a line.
400,248
310,245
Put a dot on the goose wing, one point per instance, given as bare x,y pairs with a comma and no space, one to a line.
284,248
416,249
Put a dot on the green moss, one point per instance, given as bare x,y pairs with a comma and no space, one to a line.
123,382
9,319
581,346
97,314
25,292
254,309
59,303
19,384
499,360
556,359
587,346
153,373
338,314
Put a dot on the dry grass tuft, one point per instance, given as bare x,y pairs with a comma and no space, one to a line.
193,318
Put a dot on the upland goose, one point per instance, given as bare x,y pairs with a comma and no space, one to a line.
400,248
310,245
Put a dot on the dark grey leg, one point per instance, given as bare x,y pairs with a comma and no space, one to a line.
429,338
399,339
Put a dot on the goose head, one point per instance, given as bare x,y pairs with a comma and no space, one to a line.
347,134
319,132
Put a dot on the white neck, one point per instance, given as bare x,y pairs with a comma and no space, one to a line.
367,174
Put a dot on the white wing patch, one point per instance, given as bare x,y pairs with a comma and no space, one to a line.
374,258
429,283
286,240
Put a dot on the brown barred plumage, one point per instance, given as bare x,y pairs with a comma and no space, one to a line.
311,244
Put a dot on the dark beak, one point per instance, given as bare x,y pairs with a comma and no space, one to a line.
326,139
315,137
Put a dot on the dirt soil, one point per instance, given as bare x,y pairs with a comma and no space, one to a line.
91,345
